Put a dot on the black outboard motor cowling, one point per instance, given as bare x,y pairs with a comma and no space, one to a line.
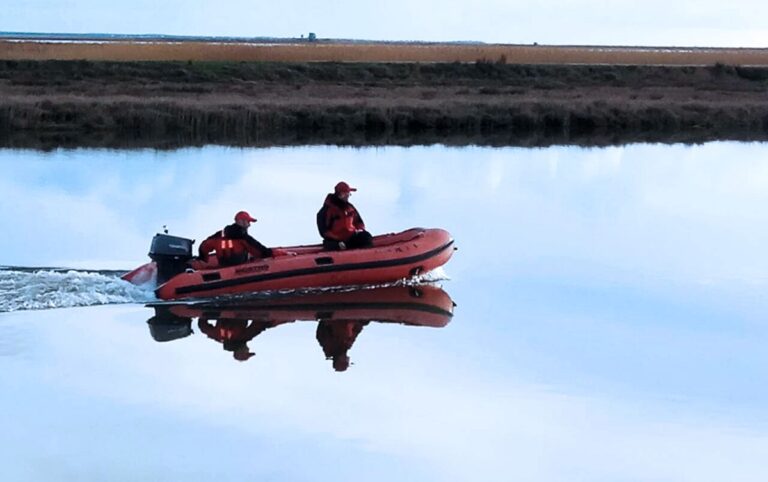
171,254
165,326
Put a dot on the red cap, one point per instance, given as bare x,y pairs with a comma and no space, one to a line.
242,355
341,363
244,216
343,187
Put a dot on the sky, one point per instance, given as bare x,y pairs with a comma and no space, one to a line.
707,23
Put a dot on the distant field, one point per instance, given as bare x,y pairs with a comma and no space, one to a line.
374,52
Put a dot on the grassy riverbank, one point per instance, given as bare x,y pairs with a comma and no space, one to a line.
47,104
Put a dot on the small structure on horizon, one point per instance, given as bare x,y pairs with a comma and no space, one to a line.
312,37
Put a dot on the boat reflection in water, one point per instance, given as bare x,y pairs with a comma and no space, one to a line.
340,317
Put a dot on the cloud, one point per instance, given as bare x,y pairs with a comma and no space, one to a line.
635,215
460,421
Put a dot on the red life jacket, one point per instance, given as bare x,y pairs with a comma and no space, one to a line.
336,337
228,251
231,251
341,221
227,330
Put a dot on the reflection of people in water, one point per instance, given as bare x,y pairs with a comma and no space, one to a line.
234,334
336,338
340,317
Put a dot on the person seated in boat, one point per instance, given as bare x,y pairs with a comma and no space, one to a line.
336,337
233,245
234,334
339,223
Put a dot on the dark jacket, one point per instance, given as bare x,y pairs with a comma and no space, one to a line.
226,330
233,244
336,338
338,220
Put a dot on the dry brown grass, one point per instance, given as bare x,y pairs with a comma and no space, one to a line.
377,52
164,104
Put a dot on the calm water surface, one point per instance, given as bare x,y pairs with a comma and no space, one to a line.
611,320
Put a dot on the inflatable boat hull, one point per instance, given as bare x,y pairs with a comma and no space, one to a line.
393,257
416,305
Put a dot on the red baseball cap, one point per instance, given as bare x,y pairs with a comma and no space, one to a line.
244,216
343,187
242,354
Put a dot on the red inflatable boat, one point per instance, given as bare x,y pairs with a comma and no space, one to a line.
341,315
392,257
408,305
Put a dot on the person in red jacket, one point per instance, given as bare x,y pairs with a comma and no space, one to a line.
336,337
233,245
339,223
234,334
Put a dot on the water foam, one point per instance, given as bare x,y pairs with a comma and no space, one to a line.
434,276
45,288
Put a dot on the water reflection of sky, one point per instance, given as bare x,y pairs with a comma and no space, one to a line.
611,323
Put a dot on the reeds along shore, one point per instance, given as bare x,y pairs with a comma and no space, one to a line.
381,52
169,104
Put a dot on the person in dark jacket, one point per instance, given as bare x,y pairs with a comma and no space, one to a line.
234,334
233,245
339,223
336,337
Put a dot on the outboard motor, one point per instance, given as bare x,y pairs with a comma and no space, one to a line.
165,326
171,254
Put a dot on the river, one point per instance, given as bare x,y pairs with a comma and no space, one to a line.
610,320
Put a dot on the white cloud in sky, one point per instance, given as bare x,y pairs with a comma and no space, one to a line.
460,421
684,214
